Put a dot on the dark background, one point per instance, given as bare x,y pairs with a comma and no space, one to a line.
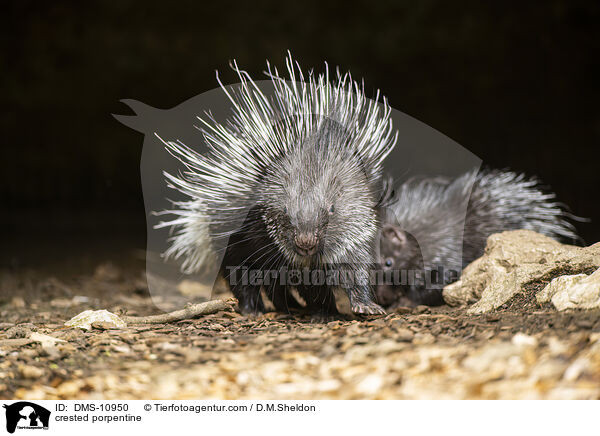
514,82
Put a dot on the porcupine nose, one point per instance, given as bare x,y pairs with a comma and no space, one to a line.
306,243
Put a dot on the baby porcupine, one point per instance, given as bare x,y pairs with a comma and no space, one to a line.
428,212
291,182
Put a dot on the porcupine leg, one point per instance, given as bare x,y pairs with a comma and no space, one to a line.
362,301
320,300
357,286
327,310
283,300
242,261
249,298
247,294
238,272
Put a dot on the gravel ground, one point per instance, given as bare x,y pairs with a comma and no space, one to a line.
420,353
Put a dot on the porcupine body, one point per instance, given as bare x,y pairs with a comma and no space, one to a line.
291,183
428,212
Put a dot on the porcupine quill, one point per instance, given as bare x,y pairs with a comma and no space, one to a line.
429,212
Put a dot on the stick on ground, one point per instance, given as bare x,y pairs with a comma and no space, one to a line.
191,311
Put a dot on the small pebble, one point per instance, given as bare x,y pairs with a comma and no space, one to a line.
584,323
402,310
423,339
524,340
404,335
31,372
17,302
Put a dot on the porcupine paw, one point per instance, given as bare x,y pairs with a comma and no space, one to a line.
367,309
251,308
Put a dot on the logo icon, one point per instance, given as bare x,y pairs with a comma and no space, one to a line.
26,415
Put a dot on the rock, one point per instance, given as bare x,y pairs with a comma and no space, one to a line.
523,340
104,325
88,317
557,285
379,323
402,310
45,340
19,331
370,385
511,261
18,302
424,339
576,369
49,344
404,335
69,388
30,371
6,343
573,291
494,360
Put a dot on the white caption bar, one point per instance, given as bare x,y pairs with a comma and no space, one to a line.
297,417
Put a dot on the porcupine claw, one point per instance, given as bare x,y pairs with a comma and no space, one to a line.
368,309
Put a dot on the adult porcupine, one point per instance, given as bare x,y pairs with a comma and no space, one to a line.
291,182
427,212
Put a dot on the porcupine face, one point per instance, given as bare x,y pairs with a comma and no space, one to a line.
319,208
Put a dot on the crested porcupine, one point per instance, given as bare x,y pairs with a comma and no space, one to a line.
427,213
291,183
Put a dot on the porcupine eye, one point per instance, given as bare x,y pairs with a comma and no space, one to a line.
331,209
389,262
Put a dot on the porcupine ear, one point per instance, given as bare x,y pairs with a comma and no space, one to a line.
394,234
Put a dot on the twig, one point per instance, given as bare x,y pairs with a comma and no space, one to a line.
15,342
191,311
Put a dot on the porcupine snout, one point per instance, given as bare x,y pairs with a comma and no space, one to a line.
306,243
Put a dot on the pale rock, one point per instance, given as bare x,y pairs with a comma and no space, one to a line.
18,302
70,388
573,291
577,368
492,360
30,371
86,318
511,261
370,385
45,340
404,335
521,339
423,339
557,347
